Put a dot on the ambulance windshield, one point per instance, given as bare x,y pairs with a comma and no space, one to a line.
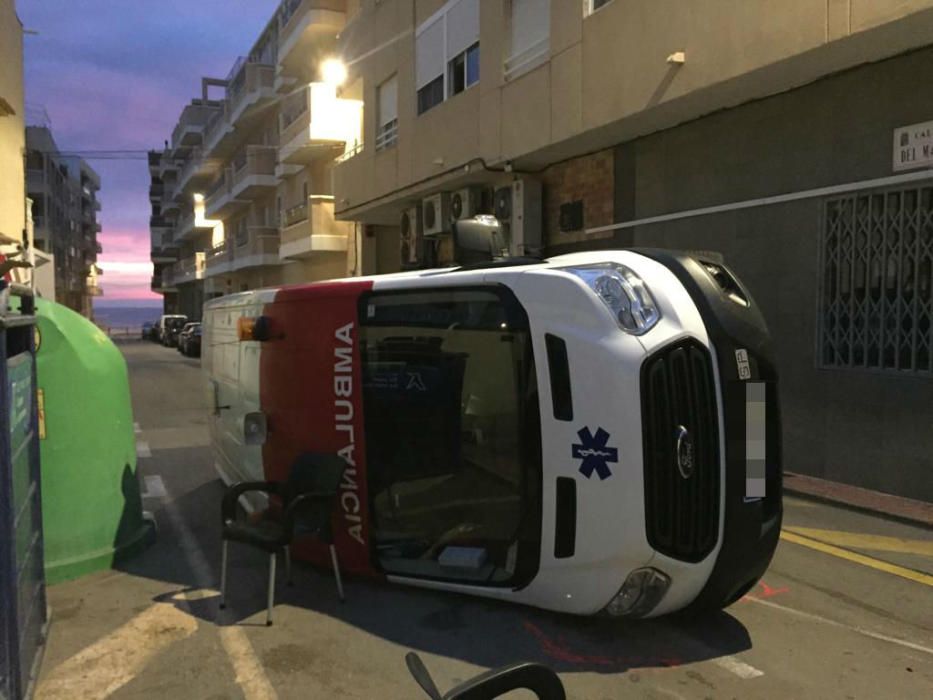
453,434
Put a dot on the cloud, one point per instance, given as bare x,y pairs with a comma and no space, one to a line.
116,75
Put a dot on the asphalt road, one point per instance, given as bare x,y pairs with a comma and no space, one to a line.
845,611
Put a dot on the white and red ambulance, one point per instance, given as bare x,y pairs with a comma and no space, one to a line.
596,432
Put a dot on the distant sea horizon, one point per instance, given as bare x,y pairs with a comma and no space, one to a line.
127,313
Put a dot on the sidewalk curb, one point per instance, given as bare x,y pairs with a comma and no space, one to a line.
838,499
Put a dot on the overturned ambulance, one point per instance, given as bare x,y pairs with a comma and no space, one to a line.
592,433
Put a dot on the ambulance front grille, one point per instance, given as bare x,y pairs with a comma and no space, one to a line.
679,412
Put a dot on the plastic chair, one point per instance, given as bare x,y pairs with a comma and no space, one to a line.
309,498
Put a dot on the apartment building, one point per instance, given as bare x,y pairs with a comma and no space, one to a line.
242,195
796,138
63,191
12,130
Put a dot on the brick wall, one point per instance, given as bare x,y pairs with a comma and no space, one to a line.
589,178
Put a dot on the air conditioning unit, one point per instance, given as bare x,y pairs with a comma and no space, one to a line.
518,208
410,230
435,214
465,203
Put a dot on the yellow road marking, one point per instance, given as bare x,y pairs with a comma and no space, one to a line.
901,571
859,540
113,661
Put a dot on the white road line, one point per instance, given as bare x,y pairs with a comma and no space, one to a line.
142,449
833,623
153,487
250,675
101,669
739,668
136,428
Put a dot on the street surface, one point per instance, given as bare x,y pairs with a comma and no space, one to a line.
845,611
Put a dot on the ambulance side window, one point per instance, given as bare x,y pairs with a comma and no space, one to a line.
446,380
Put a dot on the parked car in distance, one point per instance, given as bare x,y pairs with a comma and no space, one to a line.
184,335
192,346
147,331
168,328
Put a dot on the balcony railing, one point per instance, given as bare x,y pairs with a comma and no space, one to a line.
313,116
294,18
190,269
387,135
248,86
219,258
191,124
311,227
297,214
261,247
253,166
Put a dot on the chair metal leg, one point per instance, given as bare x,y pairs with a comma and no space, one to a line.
271,589
333,560
288,565
223,577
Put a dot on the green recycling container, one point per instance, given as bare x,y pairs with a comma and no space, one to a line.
91,506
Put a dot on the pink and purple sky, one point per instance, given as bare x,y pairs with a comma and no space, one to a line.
115,75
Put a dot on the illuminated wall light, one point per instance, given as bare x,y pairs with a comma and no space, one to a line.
334,71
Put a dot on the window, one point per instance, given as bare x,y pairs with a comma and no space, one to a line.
387,118
452,434
529,33
876,306
463,71
447,53
431,94
590,6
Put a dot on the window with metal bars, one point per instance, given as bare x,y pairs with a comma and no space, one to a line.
876,308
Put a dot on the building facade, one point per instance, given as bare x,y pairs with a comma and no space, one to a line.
63,190
242,195
791,137
12,130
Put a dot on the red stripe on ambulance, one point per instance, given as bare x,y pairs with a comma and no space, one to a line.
310,390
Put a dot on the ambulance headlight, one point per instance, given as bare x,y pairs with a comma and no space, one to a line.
623,292
640,594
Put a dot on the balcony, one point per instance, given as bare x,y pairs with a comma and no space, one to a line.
220,202
315,123
164,280
219,259
167,252
169,203
155,160
219,136
259,248
35,182
189,269
250,91
310,228
307,28
191,125
167,164
253,172
156,190
197,171
191,226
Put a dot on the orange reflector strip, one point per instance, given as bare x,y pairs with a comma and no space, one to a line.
244,328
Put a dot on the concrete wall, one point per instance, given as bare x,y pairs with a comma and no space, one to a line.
867,428
12,128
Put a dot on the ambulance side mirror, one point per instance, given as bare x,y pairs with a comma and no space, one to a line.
539,679
477,240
